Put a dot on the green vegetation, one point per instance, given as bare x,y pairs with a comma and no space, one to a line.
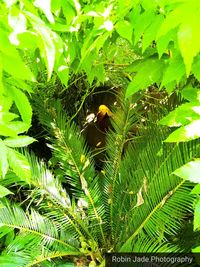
67,198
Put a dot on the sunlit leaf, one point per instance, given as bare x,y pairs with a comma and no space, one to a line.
175,71
190,171
22,103
196,189
150,68
151,31
197,215
142,22
196,250
189,42
196,67
3,159
17,22
46,8
20,141
4,191
182,115
185,133
21,71
19,164
46,41
7,116
125,30
191,93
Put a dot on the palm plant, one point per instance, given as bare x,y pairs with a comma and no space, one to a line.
73,214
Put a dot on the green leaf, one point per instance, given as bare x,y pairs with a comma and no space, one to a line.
3,159
189,42
175,70
22,103
190,171
4,191
196,250
27,40
46,8
196,67
47,47
46,41
125,30
150,68
142,22
182,115
68,11
20,141
19,164
7,117
191,93
151,31
197,216
186,133
17,21
196,189
5,130
11,68
163,42
172,20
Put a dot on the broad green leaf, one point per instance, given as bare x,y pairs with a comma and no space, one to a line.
63,71
197,215
56,6
185,133
172,20
143,21
175,71
4,191
1,75
3,159
5,45
125,30
151,31
182,115
196,250
5,103
190,171
27,40
47,47
19,164
46,41
163,42
191,93
196,67
20,141
22,103
21,71
22,85
4,230
189,42
46,8
17,21
149,71
13,128
68,11
196,189
7,117
5,130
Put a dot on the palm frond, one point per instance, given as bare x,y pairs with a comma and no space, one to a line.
156,201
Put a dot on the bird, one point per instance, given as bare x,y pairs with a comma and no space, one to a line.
95,130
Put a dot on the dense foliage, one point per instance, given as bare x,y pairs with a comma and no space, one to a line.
54,55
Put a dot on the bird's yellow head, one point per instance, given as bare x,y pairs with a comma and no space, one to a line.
103,110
